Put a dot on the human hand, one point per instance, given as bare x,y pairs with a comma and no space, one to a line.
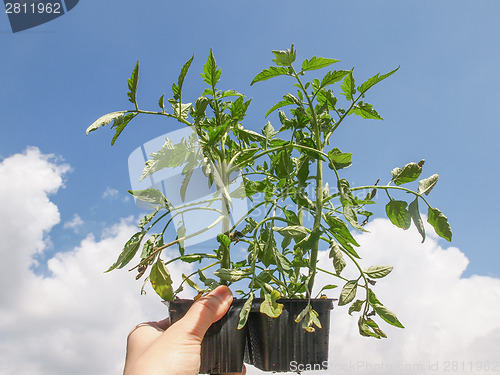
152,349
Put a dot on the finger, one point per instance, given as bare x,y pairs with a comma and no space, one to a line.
142,336
206,311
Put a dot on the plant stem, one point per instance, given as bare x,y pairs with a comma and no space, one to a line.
319,188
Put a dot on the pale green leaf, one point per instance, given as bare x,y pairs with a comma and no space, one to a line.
285,58
425,186
129,251
317,63
377,272
348,292
408,173
348,88
387,315
245,311
270,306
398,214
150,195
132,85
415,216
271,72
106,119
161,281
339,262
231,275
440,223
374,80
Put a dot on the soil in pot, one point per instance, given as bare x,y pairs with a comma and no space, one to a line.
223,346
281,345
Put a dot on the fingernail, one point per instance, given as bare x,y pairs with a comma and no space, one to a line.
222,292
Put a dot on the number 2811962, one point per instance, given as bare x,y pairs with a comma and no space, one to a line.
38,8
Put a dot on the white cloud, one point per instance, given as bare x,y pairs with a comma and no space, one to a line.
75,321
447,318
75,223
110,194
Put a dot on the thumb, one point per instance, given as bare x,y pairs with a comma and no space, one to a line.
206,311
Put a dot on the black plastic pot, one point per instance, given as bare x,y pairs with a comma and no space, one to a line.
223,347
280,344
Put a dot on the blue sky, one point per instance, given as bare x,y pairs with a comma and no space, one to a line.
61,76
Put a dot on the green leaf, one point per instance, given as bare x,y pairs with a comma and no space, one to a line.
326,97
191,283
366,111
200,107
348,292
328,287
282,262
440,223
181,233
147,218
348,88
352,218
332,77
181,111
223,240
271,72
415,216
248,136
161,102
408,173
129,251
149,195
268,131
269,306
307,243
285,58
120,125
376,329
117,117
148,247
377,272
339,262
231,275
185,183
132,85
374,80
339,159
317,63
296,231
225,94
245,311
398,214
356,306
341,233
239,108
364,328
303,313
387,315
425,186
211,74
161,281
169,156
177,89
288,101
191,258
